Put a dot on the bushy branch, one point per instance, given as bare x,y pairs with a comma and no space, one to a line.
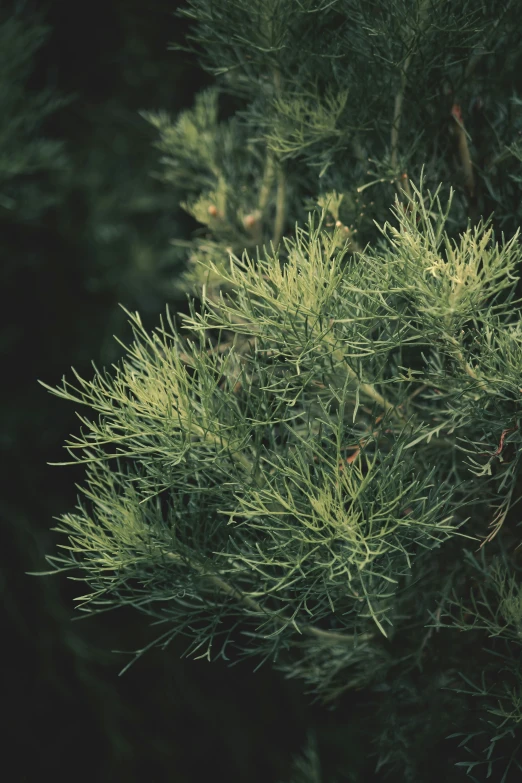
299,472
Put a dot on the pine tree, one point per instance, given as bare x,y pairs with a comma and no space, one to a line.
319,465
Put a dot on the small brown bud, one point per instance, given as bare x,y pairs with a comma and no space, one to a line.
338,223
212,210
252,220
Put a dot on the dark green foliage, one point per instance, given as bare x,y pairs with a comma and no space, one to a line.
320,468
29,162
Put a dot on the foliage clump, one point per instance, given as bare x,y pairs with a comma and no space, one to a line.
318,466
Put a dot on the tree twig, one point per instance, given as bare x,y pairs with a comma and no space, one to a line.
335,637
463,148
403,185
280,207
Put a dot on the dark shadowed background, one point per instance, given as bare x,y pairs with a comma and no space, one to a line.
99,236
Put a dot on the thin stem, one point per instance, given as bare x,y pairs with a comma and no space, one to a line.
281,179
280,207
310,630
397,113
268,181
464,154
218,439
404,185
369,390
468,369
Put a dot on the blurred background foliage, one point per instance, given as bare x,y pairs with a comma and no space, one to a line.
83,227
